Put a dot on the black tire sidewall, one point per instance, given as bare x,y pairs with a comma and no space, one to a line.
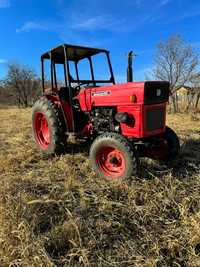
173,143
44,106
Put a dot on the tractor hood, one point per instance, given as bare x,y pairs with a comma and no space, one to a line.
151,92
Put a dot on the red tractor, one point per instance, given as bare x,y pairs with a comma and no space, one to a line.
125,121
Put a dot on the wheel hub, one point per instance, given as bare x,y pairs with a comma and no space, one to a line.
111,161
114,161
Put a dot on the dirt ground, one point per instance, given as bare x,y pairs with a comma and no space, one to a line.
56,212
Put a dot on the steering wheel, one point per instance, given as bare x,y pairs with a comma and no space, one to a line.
79,86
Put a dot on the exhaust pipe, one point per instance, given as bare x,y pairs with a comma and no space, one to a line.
130,68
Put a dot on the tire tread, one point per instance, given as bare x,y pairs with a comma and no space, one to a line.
56,124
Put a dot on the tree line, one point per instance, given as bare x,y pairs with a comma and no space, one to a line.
175,61
20,87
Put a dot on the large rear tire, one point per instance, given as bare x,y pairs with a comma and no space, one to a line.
113,158
167,149
48,127
173,144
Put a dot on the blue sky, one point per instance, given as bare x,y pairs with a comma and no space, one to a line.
29,28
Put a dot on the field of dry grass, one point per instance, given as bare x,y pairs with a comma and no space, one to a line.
55,212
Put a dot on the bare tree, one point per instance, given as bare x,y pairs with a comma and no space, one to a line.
176,62
195,81
24,85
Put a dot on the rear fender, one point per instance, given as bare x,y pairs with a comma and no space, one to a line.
65,107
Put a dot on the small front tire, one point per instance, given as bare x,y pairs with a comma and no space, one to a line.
113,157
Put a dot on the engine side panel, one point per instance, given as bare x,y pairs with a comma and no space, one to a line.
134,127
144,119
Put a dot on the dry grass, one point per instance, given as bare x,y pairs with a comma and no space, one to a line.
55,212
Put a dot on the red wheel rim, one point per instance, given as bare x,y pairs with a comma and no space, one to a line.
111,162
41,129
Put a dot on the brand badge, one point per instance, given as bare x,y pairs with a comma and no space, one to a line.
102,93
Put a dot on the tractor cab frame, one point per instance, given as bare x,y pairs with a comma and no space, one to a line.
65,54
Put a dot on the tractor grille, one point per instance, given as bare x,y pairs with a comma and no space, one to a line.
155,119
156,92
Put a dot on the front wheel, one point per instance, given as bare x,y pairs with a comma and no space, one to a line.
112,157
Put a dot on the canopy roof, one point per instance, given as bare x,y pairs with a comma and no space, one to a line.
74,53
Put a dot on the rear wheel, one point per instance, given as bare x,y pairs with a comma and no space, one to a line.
112,157
168,147
172,144
48,128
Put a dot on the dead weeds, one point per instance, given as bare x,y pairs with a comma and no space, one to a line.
55,212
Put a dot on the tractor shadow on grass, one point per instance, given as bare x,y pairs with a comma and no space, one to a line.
82,146
70,149
186,165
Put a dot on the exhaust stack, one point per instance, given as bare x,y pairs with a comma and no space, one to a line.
130,68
